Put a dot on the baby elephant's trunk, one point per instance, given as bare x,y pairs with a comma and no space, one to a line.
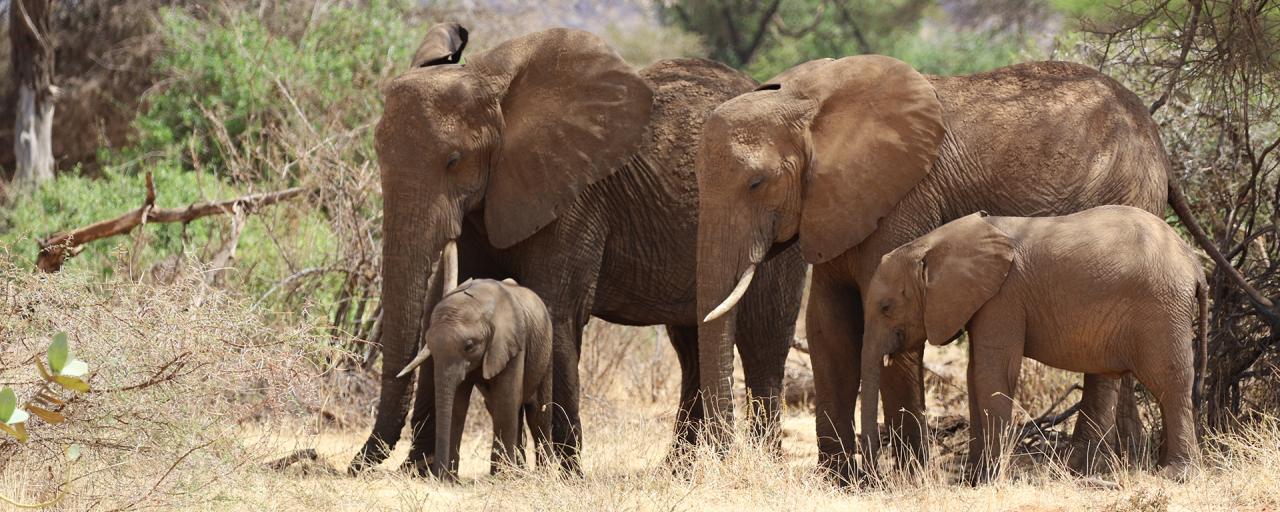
870,430
448,381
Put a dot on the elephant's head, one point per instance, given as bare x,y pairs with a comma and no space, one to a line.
815,156
481,325
514,134
927,289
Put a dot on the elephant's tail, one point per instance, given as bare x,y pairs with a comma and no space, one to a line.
1202,342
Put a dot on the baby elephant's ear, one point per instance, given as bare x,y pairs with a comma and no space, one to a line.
966,262
508,340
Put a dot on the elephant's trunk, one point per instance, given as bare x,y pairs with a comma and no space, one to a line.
727,257
410,289
873,352
448,381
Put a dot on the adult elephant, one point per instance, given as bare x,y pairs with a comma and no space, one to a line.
549,160
851,158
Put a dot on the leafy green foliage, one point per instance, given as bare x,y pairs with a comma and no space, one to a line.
10,413
915,31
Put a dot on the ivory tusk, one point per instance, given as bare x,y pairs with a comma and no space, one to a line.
449,265
735,296
422,357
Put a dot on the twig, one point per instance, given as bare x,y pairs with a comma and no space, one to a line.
55,249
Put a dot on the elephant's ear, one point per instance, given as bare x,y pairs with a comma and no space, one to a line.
965,264
573,112
443,44
875,131
507,343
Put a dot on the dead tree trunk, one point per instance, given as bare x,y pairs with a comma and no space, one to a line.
33,73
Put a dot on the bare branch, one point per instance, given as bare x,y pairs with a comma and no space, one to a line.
55,249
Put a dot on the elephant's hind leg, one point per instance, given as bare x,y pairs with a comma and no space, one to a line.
1095,430
690,417
1169,374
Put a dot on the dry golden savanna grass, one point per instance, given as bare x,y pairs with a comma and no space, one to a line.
195,391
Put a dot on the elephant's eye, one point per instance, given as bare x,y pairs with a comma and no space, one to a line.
885,308
755,182
469,344
453,159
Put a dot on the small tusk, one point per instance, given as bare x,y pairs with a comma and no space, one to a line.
422,357
734,297
449,266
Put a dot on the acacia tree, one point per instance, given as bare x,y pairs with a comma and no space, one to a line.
33,73
1211,69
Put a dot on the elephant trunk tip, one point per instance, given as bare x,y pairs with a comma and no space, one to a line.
729,302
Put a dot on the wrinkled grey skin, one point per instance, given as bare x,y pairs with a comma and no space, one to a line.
496,337
623,250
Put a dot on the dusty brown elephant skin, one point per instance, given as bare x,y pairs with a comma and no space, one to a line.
850,158
549,160
1108,291
494,336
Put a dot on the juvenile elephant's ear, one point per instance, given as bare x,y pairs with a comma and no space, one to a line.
875,131
506,343
573,112
443,44
966,262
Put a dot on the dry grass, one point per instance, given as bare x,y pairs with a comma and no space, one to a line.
249,392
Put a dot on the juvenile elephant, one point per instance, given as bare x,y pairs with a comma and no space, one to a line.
548,159
850,158
495,336
1107,291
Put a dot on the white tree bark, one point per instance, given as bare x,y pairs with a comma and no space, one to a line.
33,138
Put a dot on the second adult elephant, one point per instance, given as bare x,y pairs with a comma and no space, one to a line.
550,160
851,158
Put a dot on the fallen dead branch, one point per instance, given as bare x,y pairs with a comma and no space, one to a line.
55,249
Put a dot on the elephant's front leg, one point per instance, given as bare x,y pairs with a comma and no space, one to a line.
765,331
503,403
566,423
995,361
902,387
834,322
423,422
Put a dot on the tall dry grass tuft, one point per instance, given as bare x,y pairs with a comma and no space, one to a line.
177,372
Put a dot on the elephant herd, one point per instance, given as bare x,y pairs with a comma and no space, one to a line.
689,195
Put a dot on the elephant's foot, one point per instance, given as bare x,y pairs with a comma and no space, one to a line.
418,464
981,473
1088,459
1179,471
840,469
371,454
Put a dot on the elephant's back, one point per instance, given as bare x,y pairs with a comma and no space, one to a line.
1061,129
685,93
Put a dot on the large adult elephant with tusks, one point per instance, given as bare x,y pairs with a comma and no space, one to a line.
549,160
847,159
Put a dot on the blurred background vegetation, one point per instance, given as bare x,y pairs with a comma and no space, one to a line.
223,99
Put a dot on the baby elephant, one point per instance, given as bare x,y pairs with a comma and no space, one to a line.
495,336
1106,291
